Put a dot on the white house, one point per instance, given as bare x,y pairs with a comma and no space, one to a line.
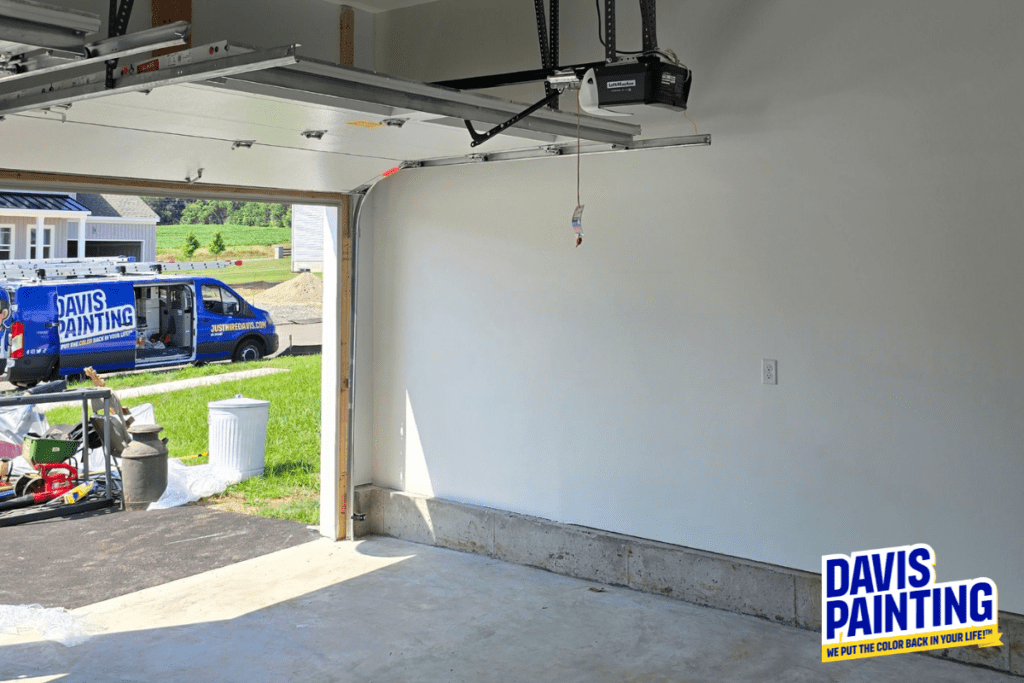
36,225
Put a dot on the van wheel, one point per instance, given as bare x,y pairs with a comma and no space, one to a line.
248,350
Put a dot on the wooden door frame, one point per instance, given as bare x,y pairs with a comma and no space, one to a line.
336,369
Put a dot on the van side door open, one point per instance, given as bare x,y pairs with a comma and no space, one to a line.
166,323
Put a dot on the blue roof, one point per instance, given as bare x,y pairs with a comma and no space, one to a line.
39,202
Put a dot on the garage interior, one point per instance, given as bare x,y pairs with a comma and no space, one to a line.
599,410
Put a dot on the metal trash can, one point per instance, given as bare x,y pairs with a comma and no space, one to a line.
238,434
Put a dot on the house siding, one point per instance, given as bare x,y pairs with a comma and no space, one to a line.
60,237
16,234
58,240
308,237
123,232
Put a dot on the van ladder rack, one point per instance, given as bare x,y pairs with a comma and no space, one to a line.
53,269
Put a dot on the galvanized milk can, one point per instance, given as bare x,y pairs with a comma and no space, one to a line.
144,467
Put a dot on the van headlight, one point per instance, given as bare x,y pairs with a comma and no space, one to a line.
270,318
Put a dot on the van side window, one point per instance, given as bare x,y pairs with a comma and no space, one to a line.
220,301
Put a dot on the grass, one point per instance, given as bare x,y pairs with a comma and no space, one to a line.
265,270
172,237
290,486
273,270
252,251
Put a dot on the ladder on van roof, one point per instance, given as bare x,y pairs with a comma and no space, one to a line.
58,269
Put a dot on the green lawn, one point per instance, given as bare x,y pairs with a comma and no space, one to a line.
260,270
172,237
272,270
289,488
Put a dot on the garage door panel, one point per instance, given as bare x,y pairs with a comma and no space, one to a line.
101,151
108,248
208,113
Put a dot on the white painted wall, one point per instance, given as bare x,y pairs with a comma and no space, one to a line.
271,23
363,53
264,23
857,218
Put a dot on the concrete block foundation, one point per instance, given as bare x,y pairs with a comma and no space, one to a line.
572,551
779,594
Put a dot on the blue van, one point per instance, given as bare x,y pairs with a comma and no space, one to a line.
55,328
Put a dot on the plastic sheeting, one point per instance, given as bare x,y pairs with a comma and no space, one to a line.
51,623
143,414
188,484
17,422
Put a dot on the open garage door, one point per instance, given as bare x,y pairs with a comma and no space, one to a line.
111,248
228,120
105,248
300,127
232,114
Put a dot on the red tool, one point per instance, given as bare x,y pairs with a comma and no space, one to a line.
56,481
58,478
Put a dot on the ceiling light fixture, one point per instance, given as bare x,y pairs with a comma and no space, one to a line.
244,144
314,134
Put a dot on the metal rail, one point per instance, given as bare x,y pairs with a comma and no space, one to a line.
38,64
83,395
313,81
702,140
14,102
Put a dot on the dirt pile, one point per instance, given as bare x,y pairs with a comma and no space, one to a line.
305,289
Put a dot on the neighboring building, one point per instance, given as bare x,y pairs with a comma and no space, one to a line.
35,225
308,225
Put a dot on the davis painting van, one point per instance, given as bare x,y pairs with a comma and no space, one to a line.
59,317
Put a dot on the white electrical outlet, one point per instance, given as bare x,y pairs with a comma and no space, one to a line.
769,371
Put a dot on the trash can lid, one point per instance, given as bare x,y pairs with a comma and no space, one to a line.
238,401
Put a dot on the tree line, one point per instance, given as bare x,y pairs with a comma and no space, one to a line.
174,211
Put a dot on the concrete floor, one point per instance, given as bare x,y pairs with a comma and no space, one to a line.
387,610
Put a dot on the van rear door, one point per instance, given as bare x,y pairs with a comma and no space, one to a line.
30,336
6,315
96,326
